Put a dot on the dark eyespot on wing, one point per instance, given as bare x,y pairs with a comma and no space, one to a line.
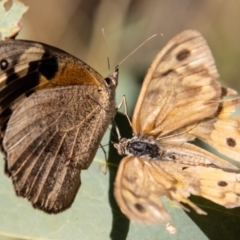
3,64
140,207
222,184
183,55
231,142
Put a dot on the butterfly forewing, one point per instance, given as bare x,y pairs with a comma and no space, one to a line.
54,110
179,88
29,66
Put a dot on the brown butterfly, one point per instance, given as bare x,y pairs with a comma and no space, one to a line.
180,101
54,110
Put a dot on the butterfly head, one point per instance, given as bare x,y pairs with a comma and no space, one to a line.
112,79
122,146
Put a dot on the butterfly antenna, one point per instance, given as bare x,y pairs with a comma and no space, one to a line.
131,53
106,49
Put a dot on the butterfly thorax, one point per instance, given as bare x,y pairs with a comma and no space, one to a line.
144,148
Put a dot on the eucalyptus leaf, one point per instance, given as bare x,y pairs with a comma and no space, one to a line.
10,19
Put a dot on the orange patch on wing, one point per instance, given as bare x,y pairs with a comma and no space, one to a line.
69,75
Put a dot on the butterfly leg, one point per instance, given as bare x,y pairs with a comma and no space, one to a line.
116,129
104,167
124,103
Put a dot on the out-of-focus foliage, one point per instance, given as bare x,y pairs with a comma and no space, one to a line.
75,26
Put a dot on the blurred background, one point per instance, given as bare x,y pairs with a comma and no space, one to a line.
75,26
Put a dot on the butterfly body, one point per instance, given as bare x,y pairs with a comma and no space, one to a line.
54,110
180,101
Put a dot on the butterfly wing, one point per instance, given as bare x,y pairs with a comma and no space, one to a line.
137,198
54,110
179,101
223,131
138,192
180,87
26,67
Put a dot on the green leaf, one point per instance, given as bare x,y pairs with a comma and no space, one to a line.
93,215
220,223
10,20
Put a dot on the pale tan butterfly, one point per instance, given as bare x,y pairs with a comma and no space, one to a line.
180,101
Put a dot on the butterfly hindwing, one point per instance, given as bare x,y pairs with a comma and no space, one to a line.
54,110
141,183
139,200
223,131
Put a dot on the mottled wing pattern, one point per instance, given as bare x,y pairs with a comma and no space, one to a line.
223,131
54,110
180,100
141,183
180,87
140,199
49,139
27,66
